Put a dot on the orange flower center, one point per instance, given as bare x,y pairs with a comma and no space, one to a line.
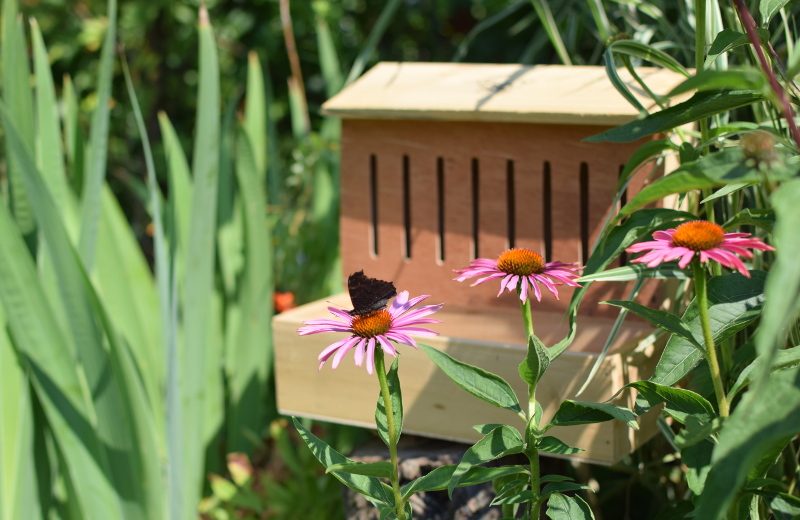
373,324
698,235
521,262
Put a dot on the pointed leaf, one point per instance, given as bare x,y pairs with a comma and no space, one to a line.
680,403
381,469
536,362
562,507
661,319
552,444
500,442
571,413
439,478
476,381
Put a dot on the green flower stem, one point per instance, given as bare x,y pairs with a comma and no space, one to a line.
533,454
400,506
711,351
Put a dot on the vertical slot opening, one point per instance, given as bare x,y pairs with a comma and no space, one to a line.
406,207
440,207
475,202
547,207
584,211
510,204
373,202
623,200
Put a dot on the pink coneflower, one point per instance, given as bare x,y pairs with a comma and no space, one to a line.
368,330
707,239
521,268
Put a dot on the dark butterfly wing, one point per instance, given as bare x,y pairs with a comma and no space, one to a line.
368,294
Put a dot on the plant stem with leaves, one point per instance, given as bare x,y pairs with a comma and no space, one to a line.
701,293
533,454
380,368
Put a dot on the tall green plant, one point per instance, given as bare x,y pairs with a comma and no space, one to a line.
120,386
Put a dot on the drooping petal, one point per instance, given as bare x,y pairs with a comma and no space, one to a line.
371,356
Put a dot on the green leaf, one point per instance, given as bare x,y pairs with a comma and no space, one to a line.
783,505
555,478
763,218
49,150
255,116
548,23
679,402
725,167
249,354
727,190
536,362
557,487
647,150
649,53
18,97
551,444
699,106
562,507
197,353
397,406
768,8
729,79
370,487
787,358
439,478
572,413
500,442
698,428
512,496
381,469
371,43
734,301
755,427
661,319
476,381
727,40
782,290
697,457
95,172
632,272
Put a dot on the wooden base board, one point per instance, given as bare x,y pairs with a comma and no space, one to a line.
491,339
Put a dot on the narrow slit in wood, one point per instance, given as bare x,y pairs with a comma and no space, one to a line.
373,202
406,207
510,204
440,207
547,218
475,212
584,211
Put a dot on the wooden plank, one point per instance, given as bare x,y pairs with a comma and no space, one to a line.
552,94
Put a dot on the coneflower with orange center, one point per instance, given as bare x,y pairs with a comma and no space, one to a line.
378,328
523,269
706,240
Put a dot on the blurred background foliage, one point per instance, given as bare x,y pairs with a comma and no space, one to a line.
159,40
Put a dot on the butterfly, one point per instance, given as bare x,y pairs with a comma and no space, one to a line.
368,294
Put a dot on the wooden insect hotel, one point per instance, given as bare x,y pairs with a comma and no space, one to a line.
445,163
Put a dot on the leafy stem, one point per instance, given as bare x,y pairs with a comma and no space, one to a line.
533,453
380,368
701,293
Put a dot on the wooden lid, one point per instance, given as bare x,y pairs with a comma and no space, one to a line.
551,94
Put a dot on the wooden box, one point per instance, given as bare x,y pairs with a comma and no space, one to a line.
444,163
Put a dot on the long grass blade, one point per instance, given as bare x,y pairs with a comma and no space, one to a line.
328,58
545,15
249,355
17,93
18,493
255,113
374,37
49,150
73,135
198,289
95,172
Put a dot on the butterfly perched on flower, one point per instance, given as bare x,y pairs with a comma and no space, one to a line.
368,294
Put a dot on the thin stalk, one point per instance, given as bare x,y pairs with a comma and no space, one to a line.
749,25
711,352
380,368
533,454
